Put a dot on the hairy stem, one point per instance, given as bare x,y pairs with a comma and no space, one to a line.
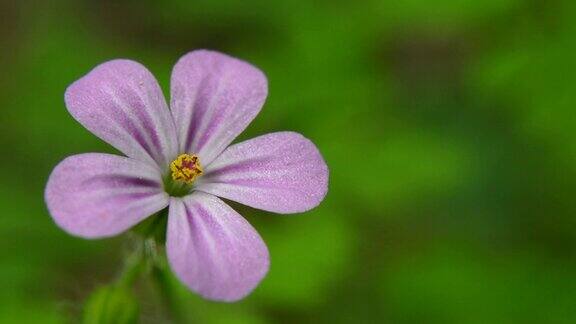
159,275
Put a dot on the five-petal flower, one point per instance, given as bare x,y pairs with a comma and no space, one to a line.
181,158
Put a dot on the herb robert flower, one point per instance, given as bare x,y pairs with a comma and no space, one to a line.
181,158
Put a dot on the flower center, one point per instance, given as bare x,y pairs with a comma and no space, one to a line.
186,168
183,171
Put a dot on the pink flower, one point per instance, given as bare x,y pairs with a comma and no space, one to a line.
180,158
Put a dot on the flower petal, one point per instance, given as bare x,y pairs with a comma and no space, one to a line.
214,98
98,195
213,249
121,102
281,172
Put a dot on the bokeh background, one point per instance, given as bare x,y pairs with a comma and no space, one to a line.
448,126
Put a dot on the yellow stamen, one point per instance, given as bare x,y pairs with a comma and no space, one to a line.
186,168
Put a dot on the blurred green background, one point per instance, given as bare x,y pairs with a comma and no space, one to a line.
448,127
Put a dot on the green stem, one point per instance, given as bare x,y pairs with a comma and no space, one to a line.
115,303
133,267
147,258
166,292
161,280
